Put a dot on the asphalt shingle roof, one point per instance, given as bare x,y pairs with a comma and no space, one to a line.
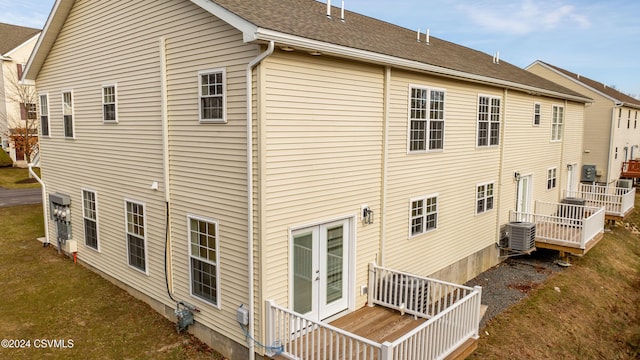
307,18
12,36
608,90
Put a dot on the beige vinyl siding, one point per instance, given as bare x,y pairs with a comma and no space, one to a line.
322,156
453,174
597,121
97,46
529,150
573,150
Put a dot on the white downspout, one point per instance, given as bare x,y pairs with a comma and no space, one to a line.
250,66
385,160
44,197
611,142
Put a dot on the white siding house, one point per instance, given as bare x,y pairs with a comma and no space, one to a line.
263,157
16,45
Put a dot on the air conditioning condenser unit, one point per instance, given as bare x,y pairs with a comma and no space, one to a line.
522,235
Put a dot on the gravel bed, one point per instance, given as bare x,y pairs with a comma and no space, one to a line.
510,281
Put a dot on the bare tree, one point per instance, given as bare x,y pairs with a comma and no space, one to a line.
21,127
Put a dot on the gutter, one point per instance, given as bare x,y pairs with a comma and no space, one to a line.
44,197
297,41
249,78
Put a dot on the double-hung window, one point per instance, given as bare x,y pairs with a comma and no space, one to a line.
203,250
536,114
109,105
67,113
552,176
488,121
426,119
557,123
90,214
484,197
44,115
424,214
212,96
136,238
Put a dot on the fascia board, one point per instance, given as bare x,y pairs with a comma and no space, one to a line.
297,41
576,81
21,45
247,28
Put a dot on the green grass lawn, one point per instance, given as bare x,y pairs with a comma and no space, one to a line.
589,311
17,178
46,296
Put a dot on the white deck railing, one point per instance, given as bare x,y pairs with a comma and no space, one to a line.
564,224
294,336
617,201
452,312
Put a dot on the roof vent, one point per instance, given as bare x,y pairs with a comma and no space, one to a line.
342,12
428,37
329,9
496,58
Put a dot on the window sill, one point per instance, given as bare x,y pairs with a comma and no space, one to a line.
212,121
420,152
411,237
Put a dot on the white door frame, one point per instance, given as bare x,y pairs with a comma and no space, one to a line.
350,260
571,178
527,180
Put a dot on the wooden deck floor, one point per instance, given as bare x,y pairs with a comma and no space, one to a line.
377,323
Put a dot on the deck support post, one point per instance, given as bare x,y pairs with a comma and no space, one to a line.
564,260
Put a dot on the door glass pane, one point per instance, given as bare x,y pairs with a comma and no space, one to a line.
302,273
335,254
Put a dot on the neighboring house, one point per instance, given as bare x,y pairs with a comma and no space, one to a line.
611,131
16,45
364,146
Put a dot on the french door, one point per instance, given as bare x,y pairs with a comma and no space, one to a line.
320,269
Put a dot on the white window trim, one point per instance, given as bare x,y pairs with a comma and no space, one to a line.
115,94
539,113
73,114
95,194
224,96
477,111
424,227
561,132
427,120
126,232
217,264
485,197
549,178
48,114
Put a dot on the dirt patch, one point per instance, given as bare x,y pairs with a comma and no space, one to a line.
27,181
523,288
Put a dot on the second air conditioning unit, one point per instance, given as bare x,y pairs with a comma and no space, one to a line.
522,235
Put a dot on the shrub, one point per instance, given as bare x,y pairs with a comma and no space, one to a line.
5,160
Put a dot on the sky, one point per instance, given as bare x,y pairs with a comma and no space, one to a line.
596,39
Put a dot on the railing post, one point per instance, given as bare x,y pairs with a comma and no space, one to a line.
372,282
386,351
269,328
478,307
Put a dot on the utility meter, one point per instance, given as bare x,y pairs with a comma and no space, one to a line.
60,205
